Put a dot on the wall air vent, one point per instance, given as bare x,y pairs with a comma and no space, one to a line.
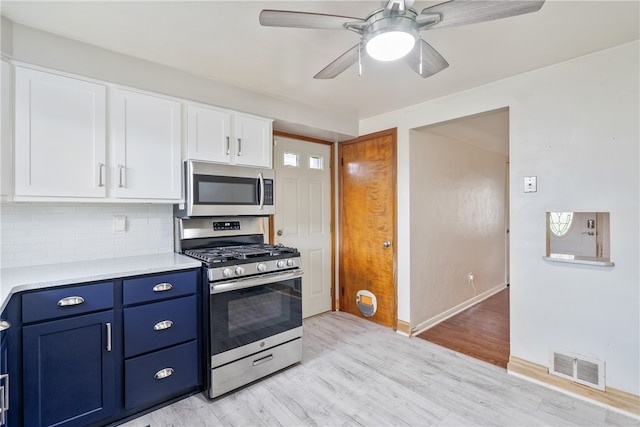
580,369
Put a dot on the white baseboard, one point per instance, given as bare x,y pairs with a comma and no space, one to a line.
429,323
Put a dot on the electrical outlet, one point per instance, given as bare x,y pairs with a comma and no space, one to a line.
530,184
470,277
119,224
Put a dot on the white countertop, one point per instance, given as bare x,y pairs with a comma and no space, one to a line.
14,280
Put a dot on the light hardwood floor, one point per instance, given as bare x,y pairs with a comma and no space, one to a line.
355,372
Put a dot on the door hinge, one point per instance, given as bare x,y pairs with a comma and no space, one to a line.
342,291
341,161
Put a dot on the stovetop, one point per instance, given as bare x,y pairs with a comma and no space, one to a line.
242,253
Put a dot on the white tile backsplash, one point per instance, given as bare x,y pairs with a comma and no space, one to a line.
52,233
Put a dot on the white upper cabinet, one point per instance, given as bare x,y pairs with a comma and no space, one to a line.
208,134
147,146
6,133
254,141
60,137
223,136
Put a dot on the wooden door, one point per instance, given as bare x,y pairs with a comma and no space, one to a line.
368,224
304,215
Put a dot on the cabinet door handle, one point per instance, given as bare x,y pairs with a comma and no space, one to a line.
100,174
108,336
122,179
69,301
228,146
161,326
239,146
162,287
163,373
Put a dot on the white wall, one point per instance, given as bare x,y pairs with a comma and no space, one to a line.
575,126
457,225
51,233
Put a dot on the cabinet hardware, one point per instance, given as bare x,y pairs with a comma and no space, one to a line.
4,398
121,176
228,146
263,360
4,325
108,336
239,146
162,287
165,324
100,174
69,301
163,373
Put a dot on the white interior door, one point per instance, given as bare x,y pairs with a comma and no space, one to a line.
303,215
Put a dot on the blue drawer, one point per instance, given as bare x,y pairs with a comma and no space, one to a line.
161,286
161,324
50,304
144,384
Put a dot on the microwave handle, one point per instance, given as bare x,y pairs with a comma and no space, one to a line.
261,179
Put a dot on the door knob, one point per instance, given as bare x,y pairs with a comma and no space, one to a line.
386,244
279,232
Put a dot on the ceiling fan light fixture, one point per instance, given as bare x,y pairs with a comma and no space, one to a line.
390,45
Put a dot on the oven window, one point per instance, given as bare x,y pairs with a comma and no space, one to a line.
248,314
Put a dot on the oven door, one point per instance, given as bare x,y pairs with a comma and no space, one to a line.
252,314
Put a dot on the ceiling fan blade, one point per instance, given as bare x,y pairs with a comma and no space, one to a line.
425,60
287,18
343,62
462,12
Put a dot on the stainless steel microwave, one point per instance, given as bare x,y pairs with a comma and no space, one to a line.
213,189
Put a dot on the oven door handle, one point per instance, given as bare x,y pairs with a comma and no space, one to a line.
250,282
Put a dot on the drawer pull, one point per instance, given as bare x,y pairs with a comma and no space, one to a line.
162,287
68,301
163,373
262,360
161,326
4,325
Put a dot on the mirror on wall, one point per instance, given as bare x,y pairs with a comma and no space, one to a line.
581,237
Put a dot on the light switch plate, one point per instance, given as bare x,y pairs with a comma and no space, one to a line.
119,224
530,184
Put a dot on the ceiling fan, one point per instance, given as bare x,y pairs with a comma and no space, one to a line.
393,32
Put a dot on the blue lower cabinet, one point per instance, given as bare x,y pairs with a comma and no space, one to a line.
69,371
160,375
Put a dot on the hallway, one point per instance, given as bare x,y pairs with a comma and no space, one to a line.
481,331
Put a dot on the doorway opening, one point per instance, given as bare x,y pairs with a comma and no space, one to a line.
459,179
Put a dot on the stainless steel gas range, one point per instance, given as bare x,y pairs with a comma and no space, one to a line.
255,298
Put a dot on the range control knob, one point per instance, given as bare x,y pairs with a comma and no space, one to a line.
280,263
239,271
291,263
226,272
261,267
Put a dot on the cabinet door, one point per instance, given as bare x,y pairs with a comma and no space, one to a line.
147,147
208,134
59,135
69,371
253,141
6,132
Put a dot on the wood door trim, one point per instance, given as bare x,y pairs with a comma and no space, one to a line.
332,206
393,133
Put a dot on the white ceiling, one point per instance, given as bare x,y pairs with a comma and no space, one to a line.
223,41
